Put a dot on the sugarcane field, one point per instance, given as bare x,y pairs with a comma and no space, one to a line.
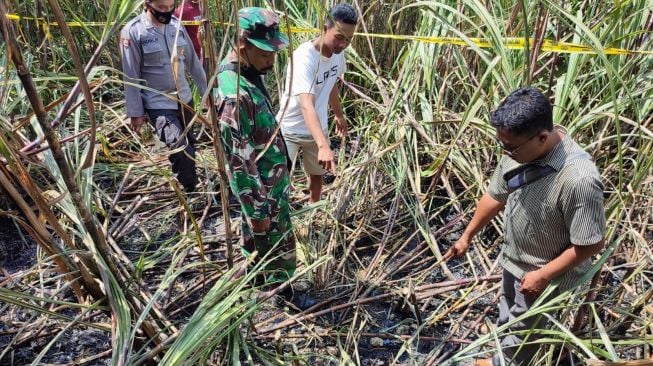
433,182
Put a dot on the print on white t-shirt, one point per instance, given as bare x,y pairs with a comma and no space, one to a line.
312,74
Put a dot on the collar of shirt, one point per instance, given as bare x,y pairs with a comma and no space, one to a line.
557,156
146,20
148,23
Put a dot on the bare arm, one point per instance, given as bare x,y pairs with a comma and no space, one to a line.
325,155
342,127
487,209
533,283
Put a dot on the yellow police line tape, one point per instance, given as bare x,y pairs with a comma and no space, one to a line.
515,43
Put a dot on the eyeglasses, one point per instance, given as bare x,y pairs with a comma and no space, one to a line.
513,152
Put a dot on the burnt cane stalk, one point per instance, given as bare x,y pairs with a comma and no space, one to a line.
217,142
88,220
83,82
9,35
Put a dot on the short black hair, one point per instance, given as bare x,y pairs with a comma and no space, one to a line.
526,111
148,2
343,13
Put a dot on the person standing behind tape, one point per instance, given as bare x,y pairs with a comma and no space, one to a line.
310,90
189,10
156,52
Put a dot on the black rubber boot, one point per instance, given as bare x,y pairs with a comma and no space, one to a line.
300,300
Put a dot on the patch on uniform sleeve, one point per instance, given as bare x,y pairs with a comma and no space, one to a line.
126,42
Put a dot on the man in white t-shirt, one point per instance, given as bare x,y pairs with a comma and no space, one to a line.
316,66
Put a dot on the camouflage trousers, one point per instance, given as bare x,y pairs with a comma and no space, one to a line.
278,244
170,125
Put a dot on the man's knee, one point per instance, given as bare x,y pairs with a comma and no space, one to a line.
170,130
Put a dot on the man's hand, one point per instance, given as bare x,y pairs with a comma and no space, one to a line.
260,226
533,284
136,123
458,249
342,128
325,159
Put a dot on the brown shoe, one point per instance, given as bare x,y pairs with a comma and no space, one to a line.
483,362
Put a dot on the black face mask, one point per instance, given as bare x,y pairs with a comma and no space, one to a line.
253,70
253,74
163,17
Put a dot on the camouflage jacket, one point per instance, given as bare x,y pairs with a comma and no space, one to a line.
258,173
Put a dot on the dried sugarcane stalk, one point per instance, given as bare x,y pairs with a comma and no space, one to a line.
367,335
217,142
23,73
79,69
446,355
121,188
126,215
620,363
46,240
87,219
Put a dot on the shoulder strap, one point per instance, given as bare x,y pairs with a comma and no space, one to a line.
526,174
228,67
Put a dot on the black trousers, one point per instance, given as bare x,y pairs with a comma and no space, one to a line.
170,125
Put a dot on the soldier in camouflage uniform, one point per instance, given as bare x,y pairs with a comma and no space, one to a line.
255,151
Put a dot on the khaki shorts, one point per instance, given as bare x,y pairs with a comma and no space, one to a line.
308,147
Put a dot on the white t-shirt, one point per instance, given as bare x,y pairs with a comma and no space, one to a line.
312,74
